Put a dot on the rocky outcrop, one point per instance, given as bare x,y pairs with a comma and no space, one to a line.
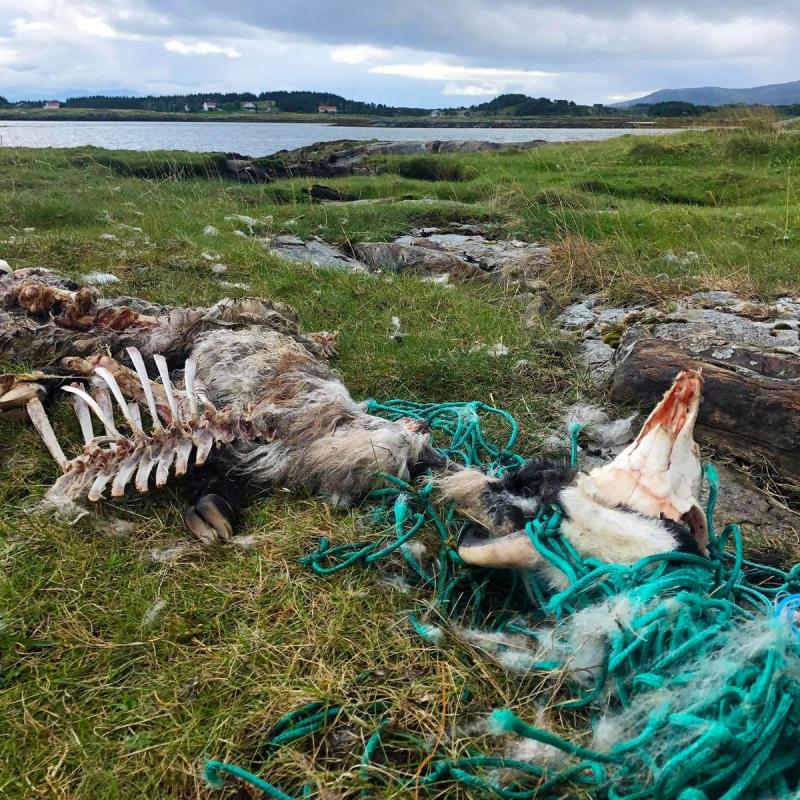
411,258
313,251
459,253
345,157
462,253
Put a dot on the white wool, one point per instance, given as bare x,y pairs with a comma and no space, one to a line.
108,237
417,549
737,646
498,349
608,534
5,266
99,278
210,230
515,652
241,218
396,582
245,287
245,542
209,256
165,555
586,635
153,612
219,269
531,751
599,427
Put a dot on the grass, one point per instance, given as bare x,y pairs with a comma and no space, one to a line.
120,674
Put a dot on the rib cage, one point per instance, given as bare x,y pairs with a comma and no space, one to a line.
183,422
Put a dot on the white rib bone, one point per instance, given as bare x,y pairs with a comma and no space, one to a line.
42,424
164,463
118,396
185,447
163,371
136,413
141,371
96,492
103,399
149,460
190,370
84,416
92,403
125,473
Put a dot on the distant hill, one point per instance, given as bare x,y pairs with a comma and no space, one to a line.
774,94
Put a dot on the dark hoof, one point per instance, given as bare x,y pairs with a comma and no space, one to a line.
210,519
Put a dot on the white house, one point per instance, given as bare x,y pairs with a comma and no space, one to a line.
209,105
327,109
436,112
249,107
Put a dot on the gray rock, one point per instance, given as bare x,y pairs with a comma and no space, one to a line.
400,256
577,316
600,358
538,307
314,251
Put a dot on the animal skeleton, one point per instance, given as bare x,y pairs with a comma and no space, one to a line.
261,397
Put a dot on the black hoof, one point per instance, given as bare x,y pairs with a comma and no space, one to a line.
210,518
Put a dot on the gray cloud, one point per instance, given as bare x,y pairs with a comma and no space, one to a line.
425,52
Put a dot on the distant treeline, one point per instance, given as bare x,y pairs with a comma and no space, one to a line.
300,102
505,105
520,105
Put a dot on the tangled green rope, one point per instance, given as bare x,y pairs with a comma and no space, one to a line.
737,739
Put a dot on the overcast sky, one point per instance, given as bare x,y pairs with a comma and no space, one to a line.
427,53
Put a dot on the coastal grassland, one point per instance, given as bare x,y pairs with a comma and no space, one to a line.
120,674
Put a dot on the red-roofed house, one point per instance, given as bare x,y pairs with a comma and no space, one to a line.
327,109
210,105
51,104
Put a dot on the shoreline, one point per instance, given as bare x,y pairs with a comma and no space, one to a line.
110,115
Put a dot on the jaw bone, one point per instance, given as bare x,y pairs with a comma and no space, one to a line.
615,510
659,474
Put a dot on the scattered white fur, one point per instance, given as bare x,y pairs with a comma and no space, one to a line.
737,646
209,256
599,426
243,218
219,269
240,234
417,549
431,633
119,528
131,228
210,230
166,555
245,542
5,267
396,582
99,278
108,237
496,350
245,287
396,329
152,613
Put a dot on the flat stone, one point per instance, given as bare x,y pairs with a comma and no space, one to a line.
578,315
401,256
314,251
